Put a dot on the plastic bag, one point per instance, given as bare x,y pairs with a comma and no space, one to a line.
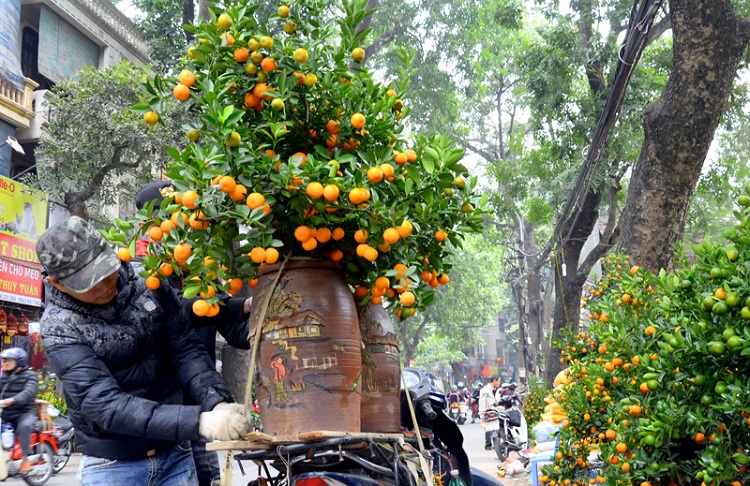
513,466
543,431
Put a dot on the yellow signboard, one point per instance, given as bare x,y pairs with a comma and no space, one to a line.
23,217
23,212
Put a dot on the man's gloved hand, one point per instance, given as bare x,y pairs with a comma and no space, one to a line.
227,421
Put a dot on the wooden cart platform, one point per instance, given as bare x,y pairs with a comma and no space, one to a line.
258,441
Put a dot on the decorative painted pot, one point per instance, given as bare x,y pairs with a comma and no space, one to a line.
381,405
308,373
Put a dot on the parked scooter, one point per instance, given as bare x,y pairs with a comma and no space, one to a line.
44,445
507,426
64,433
378,459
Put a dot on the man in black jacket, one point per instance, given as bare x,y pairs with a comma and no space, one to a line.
232,322
123,354
18,388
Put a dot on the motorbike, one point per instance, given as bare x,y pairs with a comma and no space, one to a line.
457,412
63,432
44,446
507,426
377,459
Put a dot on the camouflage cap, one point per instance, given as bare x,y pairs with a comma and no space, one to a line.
76,254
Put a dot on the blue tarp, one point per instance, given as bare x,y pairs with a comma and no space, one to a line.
10,22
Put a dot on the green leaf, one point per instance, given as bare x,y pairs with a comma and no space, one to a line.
408,184
428,164
191,291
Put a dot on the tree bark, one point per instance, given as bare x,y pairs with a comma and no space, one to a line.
570,279
533,297
709,40
76,204
188,17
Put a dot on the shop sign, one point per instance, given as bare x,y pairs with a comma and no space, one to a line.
23,217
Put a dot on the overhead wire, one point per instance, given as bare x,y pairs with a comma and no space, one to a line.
640,21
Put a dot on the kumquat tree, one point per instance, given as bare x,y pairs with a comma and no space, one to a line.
294,148
659,382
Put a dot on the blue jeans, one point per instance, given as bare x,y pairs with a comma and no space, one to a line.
172,468
206,463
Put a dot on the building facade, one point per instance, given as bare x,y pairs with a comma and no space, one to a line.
42,43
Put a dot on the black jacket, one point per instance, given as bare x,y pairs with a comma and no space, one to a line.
230,322
22,387
122,366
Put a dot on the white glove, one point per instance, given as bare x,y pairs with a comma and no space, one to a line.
227,421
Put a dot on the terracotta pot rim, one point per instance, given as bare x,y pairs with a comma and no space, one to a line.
301,262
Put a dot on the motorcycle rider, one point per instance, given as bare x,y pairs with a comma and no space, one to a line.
475,401
465,393
508,389
475,393
19,385
454,396
487,400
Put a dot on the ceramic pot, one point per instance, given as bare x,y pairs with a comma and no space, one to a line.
381,405
310,360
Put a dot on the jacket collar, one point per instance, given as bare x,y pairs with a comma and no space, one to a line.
126,286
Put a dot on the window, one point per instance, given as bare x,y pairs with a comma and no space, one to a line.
29,53
481,353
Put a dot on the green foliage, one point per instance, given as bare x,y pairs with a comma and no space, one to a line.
436,353
476,292
95,147
710,212
161,22
278,129
533,405
664,367
47,393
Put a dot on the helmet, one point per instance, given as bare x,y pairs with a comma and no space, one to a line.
17,354
479,384
454,388
505,385
460,384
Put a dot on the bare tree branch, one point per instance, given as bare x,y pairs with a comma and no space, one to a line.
115,163
483,153
384,39
658,29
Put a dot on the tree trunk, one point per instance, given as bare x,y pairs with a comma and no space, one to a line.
188,17
549,294
457,373
709,42
533,299
518,295
76,205
203,12
570,279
